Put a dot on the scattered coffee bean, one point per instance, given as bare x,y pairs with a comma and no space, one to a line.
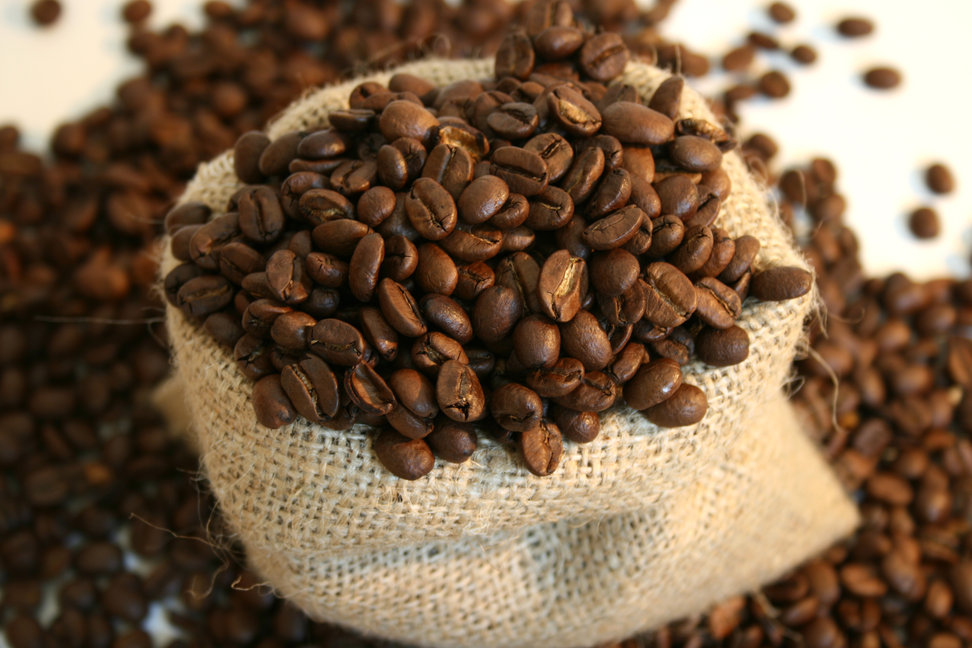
939,179
924,223
855,27
45,12
882,78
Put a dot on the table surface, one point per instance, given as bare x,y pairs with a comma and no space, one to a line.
881,141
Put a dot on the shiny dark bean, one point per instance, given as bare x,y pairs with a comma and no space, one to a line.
406,119
399,308
542,447
596,392
516,407
277,155
286,277
326,269
473,279
613,272
561,285
496,312
403,457
448,316
450,166
549,210
365,265
572,111
633,123
476,243
717,304
627,308
292,330
246,156
339,237
368,390
338,342
312,388
584,172
694,249
653,383
432,350
615,229
524,171
515,56
584,339
378,332
781,283
603,57
375,205
459,393
483,199
205,243
521,272
678,195
204,295
668,97
555,151
671,297
686,406
722,347
536,341
401,258
236,260
560,379
272,407
431,209
319,206
453,441
188,213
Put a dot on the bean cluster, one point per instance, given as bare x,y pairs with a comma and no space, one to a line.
542,233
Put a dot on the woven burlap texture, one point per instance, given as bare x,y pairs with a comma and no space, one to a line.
641,526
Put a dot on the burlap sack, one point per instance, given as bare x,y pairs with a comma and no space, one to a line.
639,527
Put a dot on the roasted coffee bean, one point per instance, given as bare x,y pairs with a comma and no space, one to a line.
455,442
613,272
286,277
432,350
561,285
365,265
627,308
516,407
378,332
272,407
723,249
633,123
514,120
447,315
496,312
339,237
542,447
292,330
354,176
627,361
678,195
224,328
401,258
671,297
473,280
695,249
277,155
653,383
603,57
431,209
476,243
579,427
322,144
252,355
717,304
612,193
695,153
584,173
555,151
399,308
939,179
615,229
338,342
312,388
596,392
513,213
406,119
524,171
179,243
722,347
668,97
319,206
375,205
368,390
584,339
882,77
326,269
572,111
854,26
354,120
450,166
236,260
295,186
536,341
204,295
560,379
924,223
781,283
686,406
205,243
745,249
459,393
246,156
403,457
188,213
483,199
515,56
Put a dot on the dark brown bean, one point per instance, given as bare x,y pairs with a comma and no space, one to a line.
717,304
482,199
496,312
686,406
455,442
431,209
572,111
579,427
524,171
403,457
399,308
272,407
312,388
781,283
406,119
722,347
447,315
603,57
615,229
633,123
613,272
368,390
555,151
584,339
516,407
459,393
536,341
542,447
671,297
561,286
338,342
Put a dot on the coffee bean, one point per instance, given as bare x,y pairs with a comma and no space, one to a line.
447,315
45,13
717,304
403,457
603,57
338,342
476,243
612,193
515,56
774,84
584,172
536,341
668,97
722,347
455,442
854,26
185,214
515,120
572,111
495,313
406,119
678,195
515,407
473,280
401,258
554,150
671,297
542,447
292,330
270,403
312,388
524,171
399,308
375,205
596,392
483,199
205,243
561,285
615,229
339,237
633,123
584,339
431,209
459,393
939,179
882,77
550,210
204,295
277,155
781,283
368,390
613,272
579,427
236,260
318,206
655,382
432,350
686,406
627,308
286,277
695,153
450,166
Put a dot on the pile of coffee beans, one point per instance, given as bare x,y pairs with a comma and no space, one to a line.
531,249
87,465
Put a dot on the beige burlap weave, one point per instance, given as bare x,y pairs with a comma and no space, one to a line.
641,526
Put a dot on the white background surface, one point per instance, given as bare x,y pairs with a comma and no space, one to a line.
881,141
